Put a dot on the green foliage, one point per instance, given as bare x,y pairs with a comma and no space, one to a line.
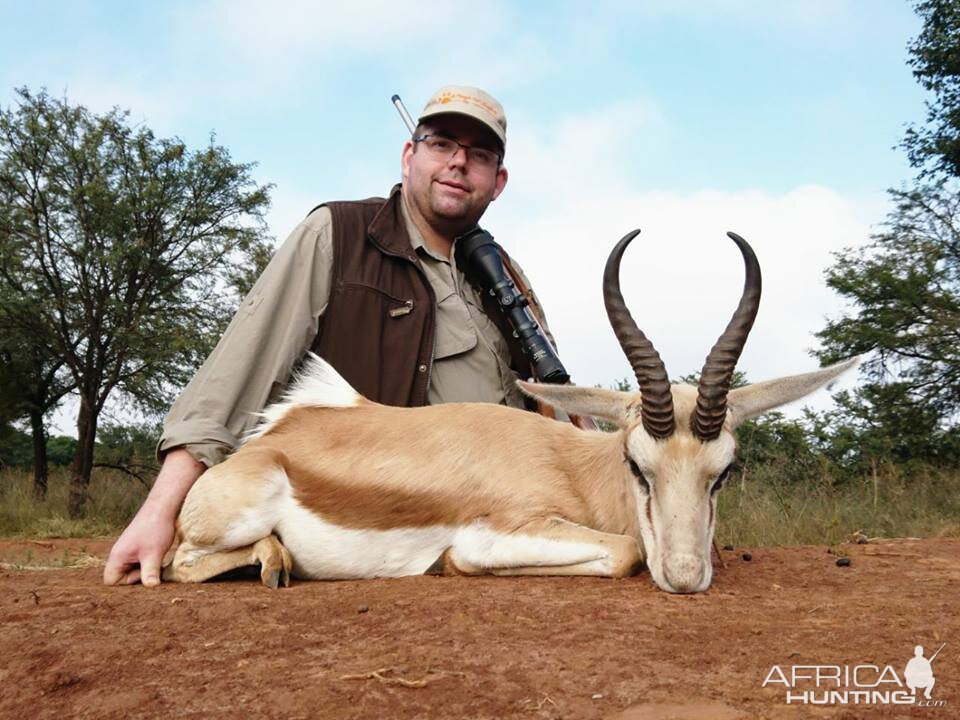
122,255
935,59
783,447
16,448
130,448
882,423
128,443
61,449
125,250
904,290
904,293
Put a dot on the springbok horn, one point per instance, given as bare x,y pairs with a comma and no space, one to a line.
718,367
656,409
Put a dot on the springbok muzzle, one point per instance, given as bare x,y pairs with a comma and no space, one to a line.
684,572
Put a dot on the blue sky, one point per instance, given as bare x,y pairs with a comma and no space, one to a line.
686,118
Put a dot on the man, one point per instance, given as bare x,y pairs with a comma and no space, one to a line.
919,672
370,286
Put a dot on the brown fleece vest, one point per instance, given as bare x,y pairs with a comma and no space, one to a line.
378,328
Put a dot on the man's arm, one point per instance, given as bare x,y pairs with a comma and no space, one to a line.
275,325
137,554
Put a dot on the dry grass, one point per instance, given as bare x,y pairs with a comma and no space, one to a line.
759,511
115,498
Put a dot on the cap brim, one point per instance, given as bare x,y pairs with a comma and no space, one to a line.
455,108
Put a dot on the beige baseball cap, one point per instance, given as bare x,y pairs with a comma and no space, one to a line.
470,101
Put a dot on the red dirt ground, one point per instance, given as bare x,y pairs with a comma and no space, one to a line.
454,647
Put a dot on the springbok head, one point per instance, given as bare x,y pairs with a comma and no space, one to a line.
678,440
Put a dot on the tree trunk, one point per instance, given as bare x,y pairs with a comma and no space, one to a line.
82,464
39,454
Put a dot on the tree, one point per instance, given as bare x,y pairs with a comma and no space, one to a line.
122,250
904,287
904,290
935,59
32,383
880,424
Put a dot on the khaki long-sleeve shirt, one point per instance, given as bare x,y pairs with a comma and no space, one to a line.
278,322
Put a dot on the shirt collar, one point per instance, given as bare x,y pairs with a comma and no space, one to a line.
416,237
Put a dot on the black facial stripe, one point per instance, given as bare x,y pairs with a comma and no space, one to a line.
637,473
722,478
647,506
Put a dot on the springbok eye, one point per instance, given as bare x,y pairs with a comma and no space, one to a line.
721,479
635,469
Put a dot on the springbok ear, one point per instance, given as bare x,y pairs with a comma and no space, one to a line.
610,405
752,400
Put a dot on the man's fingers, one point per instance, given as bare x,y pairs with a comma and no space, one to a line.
121,573
129,578
114,572
150,571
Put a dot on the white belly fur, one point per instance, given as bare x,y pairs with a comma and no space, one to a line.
322,550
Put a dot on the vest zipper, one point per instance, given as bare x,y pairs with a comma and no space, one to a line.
433,325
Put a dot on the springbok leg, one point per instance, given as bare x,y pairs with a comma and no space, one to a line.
544,547
193,564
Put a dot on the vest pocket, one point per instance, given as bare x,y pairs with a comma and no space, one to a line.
395,307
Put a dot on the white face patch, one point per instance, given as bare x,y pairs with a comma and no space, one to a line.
677,517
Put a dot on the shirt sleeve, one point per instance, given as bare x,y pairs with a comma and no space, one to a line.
276,323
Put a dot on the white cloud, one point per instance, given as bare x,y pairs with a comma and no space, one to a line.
159,106
814,20
249,45
580,153
572,200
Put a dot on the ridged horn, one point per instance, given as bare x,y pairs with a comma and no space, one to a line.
720,363
657,403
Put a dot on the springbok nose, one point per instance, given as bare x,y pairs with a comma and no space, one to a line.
683,572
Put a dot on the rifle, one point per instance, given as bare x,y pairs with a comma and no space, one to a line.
934,656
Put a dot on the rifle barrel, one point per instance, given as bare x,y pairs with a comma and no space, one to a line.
404,115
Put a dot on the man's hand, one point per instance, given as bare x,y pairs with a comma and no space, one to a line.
137,554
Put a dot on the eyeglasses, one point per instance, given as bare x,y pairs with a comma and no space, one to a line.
444,148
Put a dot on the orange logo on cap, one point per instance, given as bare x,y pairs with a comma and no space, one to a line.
447,97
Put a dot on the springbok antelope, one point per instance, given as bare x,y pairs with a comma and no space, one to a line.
332,485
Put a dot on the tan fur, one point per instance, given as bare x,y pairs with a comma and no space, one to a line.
366,466
379,467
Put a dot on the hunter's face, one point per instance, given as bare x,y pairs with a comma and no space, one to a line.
451,187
